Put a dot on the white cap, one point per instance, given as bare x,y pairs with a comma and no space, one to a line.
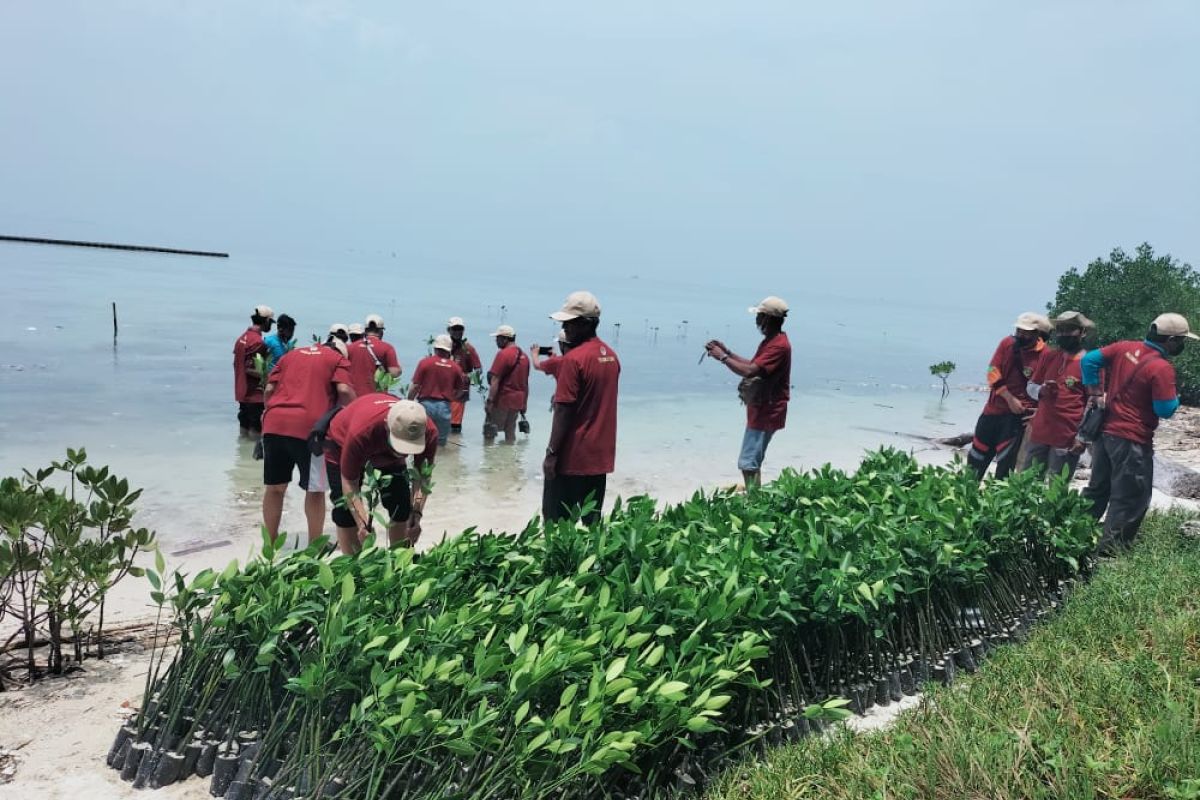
505,330
443,342
338,327
355,329
1173,325
339,345
578,304
406,427
1031,321
1073,319
375,320
771,306
456,322
264,311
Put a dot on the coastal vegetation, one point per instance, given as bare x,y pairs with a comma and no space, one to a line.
66,538
1123,293
633,657
943,370
1102,701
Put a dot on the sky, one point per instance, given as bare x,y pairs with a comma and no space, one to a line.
927,151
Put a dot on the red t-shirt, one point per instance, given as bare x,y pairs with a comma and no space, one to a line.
305,388
363,364
1131,410
1060,406
359,436
246,387
1011,368
439,378
587,379
774,357
511,367
549,365
465,355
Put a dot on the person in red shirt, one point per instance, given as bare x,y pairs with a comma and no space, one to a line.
549,363
1057,387
302,388
508,387
765,387
1001,426
436,382
379,431
247,380
1140,391
583,436
465,355
370,356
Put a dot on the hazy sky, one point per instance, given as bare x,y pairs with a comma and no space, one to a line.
926,149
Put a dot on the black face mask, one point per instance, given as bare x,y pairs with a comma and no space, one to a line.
1174,347
1069,343
1027,343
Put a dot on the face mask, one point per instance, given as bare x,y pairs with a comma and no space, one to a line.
1174,347
1028,341
1069,343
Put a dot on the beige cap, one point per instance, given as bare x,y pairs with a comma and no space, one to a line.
264,311
406,427
505,330
1073,319
771,306
340,346
1173,325
578,304
376,320
1029,321
456,322
443,342
355,329
338,327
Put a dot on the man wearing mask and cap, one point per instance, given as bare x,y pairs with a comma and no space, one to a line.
1057,387
1001,426
508,387
467,358
355,332
379,431
301,389
436,382
1140,390
370,356
765,387
247,380
583,436
339,331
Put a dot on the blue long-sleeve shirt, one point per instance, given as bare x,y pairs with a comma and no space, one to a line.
1093,362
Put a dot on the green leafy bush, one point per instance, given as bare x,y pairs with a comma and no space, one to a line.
1123,294
634,655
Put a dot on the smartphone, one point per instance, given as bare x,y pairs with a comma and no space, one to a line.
545,351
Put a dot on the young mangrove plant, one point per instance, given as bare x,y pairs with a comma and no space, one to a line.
626,659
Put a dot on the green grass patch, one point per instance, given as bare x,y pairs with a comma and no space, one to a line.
1103,701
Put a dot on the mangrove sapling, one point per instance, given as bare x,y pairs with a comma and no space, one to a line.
942,370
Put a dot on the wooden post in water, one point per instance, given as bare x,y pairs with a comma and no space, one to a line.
114,307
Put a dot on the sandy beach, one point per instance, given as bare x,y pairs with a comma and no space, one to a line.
55,734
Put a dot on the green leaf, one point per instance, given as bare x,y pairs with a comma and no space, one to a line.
347,587
325,576
673,690
615,669
422,591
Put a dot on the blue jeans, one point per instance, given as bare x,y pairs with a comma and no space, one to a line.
754,448
439,412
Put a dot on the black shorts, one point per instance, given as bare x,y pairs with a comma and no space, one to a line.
250,416
395,498
564,493
283,454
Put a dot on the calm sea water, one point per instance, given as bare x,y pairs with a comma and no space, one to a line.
158,405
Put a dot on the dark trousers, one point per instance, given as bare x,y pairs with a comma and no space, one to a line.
562,496
998,437
250,416
1051,460
1122,481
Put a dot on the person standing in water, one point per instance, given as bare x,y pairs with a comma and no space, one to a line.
508,387
436,381
467,358
247,379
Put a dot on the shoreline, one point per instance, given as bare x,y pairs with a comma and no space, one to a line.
54,734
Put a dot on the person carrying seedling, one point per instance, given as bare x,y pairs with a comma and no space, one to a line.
1140,390
247,379
467,358
371,355
301,389
765,387
508,387
1001,426
583,436
281,341
379,432
436,382
1057,387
